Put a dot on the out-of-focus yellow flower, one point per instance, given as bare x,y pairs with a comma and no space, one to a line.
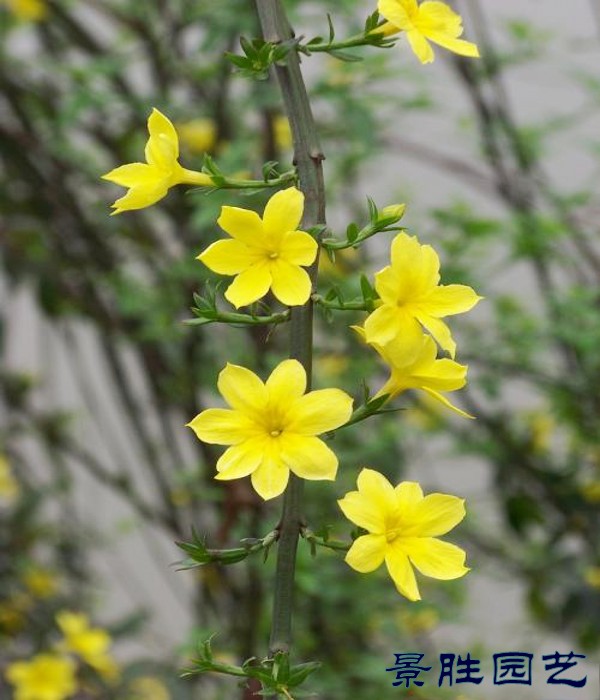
541,425
272,427
44,677
419,621
403,527
198,135
421,371
411,297
282,133
592,576
591,491
268,253
12,620
89,643
27,10
427,413
9,486
147,688
345,262
429,21
40,582
150,181
330,366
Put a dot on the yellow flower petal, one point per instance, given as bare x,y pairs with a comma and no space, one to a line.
439,330
435,558
240,460
298,248
449,299
367,553
363,512
132,175
162,148
459,46
141,197
270,479
397,12
376,489
442,399
286,384
320,411
250,285
283,212
229,257
435,515
384,324
220,426
420,46
409,496
291,284
242,224
308,457
242,390
442,375
402,573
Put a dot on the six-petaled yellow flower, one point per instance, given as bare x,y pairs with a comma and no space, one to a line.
429,21
150,181
44,677
272,427
403,527
411,297
265,254
420,371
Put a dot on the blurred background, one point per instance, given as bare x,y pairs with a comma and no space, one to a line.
498,161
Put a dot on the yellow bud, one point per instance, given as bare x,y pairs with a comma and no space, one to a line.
392,211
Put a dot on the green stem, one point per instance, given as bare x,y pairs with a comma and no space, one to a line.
308,160
337,305
239,319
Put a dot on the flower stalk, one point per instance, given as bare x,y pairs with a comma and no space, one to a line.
308,159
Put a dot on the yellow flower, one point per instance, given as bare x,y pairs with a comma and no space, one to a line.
198,135
89,643
27,10
590,491
9,486
265,253
283,133
411,296
40,582
147,688
272,427
420,371
44,677
150,181
403,527
592,576
429,21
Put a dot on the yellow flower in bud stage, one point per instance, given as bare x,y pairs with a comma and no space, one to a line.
198,135
411,297
9,486
272,427
150,181
265,254
89,643
429,21
44,677
403,527
420,371
27,10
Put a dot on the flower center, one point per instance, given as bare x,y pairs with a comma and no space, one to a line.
391,534
275,433
273,256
